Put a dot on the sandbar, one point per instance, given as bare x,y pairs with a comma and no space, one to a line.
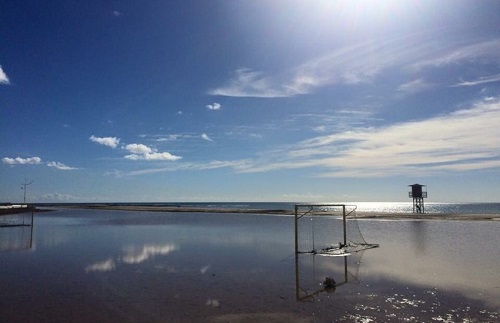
359,214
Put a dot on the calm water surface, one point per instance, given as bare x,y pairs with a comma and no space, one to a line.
166,267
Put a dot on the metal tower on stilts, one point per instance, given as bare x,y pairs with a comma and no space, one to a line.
418,195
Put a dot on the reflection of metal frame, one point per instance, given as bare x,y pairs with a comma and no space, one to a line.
325,229
311,271
14,234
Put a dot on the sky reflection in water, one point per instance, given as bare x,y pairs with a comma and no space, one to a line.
114,266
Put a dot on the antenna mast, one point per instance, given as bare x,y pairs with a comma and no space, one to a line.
24,187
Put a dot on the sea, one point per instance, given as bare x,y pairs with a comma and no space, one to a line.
382,207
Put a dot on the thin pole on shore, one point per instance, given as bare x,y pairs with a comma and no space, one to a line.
24,187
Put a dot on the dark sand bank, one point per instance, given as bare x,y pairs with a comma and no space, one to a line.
29,209
361,215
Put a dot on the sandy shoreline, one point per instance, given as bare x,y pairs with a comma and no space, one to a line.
359,214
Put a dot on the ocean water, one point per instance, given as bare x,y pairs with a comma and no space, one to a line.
383,207
119,266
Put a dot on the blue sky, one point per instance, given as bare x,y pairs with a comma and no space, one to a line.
249,100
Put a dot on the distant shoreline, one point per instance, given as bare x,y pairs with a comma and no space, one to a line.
359,214
20,210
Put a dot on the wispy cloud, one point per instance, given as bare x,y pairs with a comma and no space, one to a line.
60,166
465,140
143,152
214,106
59,197
250,83
169,138
204,136
362,63
215,164
470,52
3,77
106,141
349,65
22,161
481,80
414,86
461,141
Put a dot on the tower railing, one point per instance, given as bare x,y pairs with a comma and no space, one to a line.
424,194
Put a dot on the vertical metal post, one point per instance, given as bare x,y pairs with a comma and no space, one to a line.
24,187
31,233
346,277
344,224
296,232
297,283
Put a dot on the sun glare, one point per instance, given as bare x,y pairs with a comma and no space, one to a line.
361,12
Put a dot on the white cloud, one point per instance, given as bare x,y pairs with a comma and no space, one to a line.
204,136
465,140
154,156
21,161
3,77
143,152
138,149
106,141
60,166
214,106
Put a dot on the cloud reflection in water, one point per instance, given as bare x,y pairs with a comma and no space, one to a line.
106,265
132,255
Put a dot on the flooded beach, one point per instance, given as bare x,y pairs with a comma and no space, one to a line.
118,266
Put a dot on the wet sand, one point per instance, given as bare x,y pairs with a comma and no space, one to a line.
360,215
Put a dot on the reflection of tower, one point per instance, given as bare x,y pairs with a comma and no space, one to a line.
419,229
418,198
